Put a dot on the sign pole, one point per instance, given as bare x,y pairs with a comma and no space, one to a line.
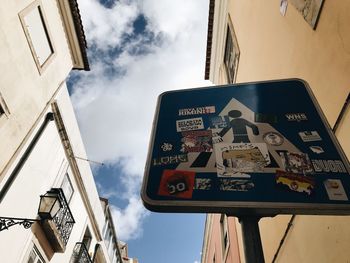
251,239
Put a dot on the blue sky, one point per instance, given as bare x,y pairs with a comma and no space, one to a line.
137,50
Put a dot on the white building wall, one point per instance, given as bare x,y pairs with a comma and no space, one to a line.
24,90
71,124
27,94
44,169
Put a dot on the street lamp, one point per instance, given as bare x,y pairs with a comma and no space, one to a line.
48,207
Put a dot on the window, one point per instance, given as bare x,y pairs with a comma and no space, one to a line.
231,55
111,250
87,239
224,235
38,37
109,240
35,256
3,108
67,188
108,237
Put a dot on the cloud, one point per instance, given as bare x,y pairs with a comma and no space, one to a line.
115,101
105,27
127,221
175,18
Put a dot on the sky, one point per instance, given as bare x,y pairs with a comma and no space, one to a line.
137,50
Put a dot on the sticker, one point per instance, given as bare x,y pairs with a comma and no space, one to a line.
177,183
265,118
166,147
197,141
235,159
179,158
236,185
219,122
273,138
334,166
296,162
189,124
296,117
216,138
317,149
310,136
197,111
295,182
335,190
202,184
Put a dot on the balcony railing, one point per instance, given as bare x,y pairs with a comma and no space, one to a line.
58,229
80,254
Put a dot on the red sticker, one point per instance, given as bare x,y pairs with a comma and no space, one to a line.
177,183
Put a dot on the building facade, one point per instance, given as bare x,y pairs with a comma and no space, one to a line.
267,40
50,210
110,235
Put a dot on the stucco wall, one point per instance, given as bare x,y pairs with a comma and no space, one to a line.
273,46
43,170
215,246
24,90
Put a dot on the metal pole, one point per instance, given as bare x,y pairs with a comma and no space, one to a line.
251,239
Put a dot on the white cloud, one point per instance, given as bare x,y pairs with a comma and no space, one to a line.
115,111
105,26
127,221
175,17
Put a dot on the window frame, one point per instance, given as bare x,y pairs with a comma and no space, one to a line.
87,238
4,111
231,65
37,250
37,4
69,182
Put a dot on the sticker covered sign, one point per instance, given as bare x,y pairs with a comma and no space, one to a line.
258,148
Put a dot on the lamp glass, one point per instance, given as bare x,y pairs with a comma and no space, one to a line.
49,206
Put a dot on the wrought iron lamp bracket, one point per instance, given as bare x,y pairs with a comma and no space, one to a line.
7,222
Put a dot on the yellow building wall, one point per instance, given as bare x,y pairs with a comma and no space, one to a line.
273,46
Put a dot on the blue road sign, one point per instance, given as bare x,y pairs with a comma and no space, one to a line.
257,148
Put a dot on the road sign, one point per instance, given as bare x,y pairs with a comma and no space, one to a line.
256,148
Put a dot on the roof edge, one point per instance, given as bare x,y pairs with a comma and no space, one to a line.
79,29
209,38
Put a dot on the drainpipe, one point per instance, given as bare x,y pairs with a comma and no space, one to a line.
341,114
48,118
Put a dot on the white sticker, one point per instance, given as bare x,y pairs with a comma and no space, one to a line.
310,136
166,147
189,124
273,138
317,149
335,190
236,159
296,117
197,111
